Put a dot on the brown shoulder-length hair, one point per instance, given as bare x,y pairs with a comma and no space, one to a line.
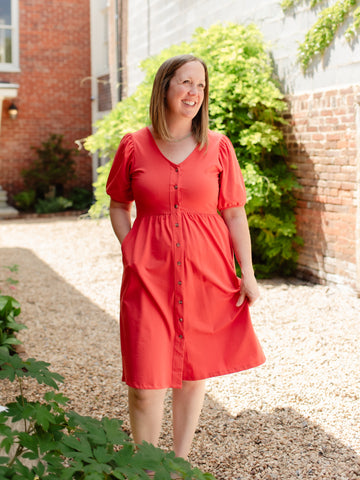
200,123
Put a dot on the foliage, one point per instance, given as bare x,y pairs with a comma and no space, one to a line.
9,309
25,200
52,205
246,105
53,167
63,445
323,32
81,198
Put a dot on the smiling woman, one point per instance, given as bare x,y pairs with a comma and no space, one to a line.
180,297
186,76
184,96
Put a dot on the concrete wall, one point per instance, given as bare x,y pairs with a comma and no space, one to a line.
154,24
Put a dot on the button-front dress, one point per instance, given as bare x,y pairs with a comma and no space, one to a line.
178,315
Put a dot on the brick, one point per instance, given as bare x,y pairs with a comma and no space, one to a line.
53,96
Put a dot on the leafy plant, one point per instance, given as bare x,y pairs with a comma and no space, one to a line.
9,309
25,200
246,104
52,205
81,198
62,444
323,32
54,166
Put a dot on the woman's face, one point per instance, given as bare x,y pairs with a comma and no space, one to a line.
186,91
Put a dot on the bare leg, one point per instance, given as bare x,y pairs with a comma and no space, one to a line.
187,404
146,412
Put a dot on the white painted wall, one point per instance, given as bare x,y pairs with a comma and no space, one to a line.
99,49
155,24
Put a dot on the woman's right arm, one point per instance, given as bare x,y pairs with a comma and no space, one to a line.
120,215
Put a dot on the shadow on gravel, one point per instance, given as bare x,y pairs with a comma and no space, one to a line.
81,342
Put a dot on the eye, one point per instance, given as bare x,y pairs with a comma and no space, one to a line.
202,86
186,81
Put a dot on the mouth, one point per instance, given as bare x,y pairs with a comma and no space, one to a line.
189,102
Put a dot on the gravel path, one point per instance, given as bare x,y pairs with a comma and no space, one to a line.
296,417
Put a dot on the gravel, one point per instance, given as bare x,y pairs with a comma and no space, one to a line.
296,417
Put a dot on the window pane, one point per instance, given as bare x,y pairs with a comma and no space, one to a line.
5,46
5,12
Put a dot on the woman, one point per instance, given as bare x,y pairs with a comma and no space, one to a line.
184,314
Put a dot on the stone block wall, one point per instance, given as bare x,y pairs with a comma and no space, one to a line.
54,93
323,138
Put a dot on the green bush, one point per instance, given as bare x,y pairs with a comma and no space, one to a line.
246,104
52,205
81,198
9,309
25,200
61,444
54,167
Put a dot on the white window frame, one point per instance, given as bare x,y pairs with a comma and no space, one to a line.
14,66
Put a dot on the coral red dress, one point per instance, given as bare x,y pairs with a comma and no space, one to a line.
178,318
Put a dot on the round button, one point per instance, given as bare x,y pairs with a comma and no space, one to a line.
179,282
181,336
178,244
176,169
179,263
176,206
180,302
176,224
181,319
176,187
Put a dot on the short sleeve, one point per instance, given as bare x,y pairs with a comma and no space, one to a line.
232,191
118,185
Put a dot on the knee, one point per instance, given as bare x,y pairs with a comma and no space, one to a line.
193,386
143,398
139,396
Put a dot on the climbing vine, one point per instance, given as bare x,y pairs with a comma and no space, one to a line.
323,32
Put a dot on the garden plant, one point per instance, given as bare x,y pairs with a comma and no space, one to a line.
247,105
47,178
61,444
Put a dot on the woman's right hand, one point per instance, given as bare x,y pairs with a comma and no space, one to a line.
120,215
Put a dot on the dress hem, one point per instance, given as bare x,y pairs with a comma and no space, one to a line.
196,377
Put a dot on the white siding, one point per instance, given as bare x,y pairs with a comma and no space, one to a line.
155,24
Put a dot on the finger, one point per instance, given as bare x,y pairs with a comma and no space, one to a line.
252,299
240,299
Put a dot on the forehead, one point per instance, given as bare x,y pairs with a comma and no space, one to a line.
192,69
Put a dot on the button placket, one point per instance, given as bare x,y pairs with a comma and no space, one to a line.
178,270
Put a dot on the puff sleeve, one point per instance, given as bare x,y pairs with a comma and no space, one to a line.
118,185
232,191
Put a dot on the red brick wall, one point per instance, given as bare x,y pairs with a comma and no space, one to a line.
322,143
54,94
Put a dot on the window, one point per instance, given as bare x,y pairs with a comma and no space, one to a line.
9,35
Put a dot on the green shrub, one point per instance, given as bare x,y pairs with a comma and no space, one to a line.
63,445
52,205
25,200
246,104
9,309
54,167
81,198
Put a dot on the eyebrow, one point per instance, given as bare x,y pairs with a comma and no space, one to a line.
185,77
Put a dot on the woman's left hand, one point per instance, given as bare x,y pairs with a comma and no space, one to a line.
249,289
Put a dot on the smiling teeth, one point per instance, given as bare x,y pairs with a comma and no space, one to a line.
189,103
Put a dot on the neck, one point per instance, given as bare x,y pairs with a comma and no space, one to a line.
180,139
179,129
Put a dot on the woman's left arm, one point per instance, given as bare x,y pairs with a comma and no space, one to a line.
236,221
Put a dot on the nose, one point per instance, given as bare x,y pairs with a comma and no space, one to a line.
193,89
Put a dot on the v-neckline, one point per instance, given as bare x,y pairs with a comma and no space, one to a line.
161,153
